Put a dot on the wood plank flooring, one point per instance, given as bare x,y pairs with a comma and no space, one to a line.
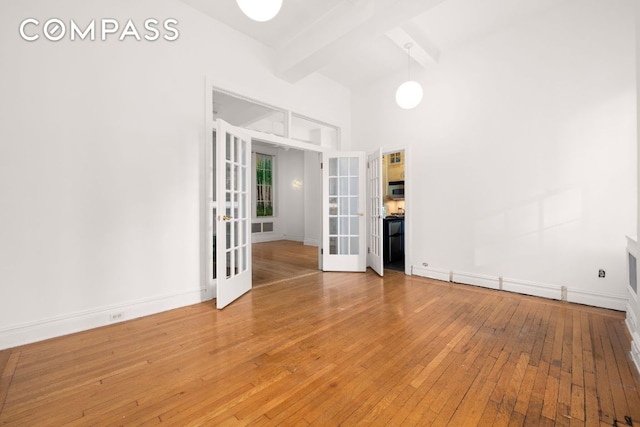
332,349
282,260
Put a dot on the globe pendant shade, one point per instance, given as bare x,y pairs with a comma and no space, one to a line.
260,10
409,94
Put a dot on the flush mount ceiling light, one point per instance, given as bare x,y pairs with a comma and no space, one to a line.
409,94
260,10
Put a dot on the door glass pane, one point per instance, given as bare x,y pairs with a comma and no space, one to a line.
333,245
213,243
228,142
333,167
333,206
228,264
355,244
354,206
344,218
236,149
344,186
354,167
214,163
333,186
228,229
343,166
333,226
344,246
353,186
344,225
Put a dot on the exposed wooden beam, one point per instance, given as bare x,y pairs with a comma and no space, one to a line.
342,29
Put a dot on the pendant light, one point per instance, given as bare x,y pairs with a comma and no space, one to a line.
409,94
260,10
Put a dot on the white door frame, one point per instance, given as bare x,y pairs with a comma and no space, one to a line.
208,287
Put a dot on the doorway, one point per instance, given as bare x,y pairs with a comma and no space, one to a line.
394,197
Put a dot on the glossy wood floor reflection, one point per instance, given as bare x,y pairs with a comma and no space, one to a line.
335,349
282,260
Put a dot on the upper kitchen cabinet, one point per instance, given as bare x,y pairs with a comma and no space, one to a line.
395,166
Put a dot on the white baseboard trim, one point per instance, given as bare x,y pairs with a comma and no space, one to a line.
482,280
518,286
311,242
595,299
532,288
635,349
266,237
15,335
431,273
293,238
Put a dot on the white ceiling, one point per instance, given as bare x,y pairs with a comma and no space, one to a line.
356,42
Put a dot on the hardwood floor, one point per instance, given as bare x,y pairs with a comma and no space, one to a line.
282,260
332,349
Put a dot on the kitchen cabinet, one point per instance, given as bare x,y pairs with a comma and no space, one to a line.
395,166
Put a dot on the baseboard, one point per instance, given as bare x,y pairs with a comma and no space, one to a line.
635,349
15,335
293,238
518,286
595,299
311,242
532,288
482,280
266,237
431,273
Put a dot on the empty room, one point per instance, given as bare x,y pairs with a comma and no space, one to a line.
319,212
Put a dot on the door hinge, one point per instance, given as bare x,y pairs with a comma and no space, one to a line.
321,165
321,251
368,250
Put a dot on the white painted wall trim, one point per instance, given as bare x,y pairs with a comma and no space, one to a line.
613,302
311,242
25,333
266,237
431,273
635,350
485,281
631,320
524,287
532,288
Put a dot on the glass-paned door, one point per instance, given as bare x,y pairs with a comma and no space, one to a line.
343,235
374,212
233,214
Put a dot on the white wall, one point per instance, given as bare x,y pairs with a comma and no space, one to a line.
312,199
633,308
291,197
523,154
100,159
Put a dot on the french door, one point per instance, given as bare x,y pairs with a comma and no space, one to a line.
343,220
230,213
375,240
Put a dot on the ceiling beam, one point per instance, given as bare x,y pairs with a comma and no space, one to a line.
423,51
340,30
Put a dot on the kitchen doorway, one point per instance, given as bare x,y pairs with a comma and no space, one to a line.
394,228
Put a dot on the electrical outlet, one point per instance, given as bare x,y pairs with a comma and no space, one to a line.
601,273
563,293
116,317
